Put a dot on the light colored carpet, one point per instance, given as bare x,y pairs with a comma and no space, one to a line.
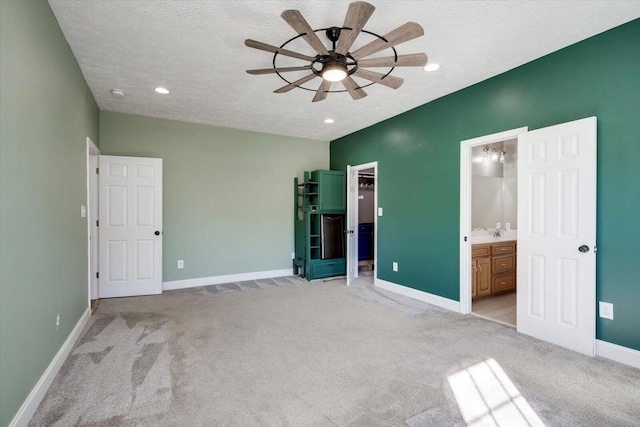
288,352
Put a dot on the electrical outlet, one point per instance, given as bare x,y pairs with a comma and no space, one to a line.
606,310
395,266
58,321
379,211
180,263
293,255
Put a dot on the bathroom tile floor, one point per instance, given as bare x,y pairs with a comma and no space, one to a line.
501,308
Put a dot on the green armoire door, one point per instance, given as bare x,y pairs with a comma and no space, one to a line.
331,189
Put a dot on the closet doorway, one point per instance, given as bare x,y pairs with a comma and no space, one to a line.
362,206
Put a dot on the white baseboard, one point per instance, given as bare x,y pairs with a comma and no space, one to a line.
437,300
216,280
618,353
29,406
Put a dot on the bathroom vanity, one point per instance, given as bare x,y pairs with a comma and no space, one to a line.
493,267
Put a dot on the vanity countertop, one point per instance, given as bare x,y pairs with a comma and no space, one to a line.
477,240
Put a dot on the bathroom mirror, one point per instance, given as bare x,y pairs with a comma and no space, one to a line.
494,185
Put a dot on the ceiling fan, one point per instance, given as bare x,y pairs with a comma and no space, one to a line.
339,64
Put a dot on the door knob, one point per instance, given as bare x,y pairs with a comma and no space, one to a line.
584,249
157,233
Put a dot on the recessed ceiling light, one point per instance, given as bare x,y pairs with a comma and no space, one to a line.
117,92
328,120
431,67
162,90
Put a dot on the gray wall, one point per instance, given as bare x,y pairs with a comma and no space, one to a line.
228,194
366,200
46,113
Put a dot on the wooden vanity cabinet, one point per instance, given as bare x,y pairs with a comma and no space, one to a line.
493,268
480,270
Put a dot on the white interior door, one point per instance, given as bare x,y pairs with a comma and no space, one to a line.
557,234
352,224
130,229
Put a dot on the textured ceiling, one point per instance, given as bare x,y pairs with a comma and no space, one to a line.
196,49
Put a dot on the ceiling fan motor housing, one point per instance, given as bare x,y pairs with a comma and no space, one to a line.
333,34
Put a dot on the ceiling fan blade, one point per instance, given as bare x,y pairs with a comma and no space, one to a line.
388,81
353,89
403,33
279,70
410,60
292,85
322,91
358,14
295,19
269,48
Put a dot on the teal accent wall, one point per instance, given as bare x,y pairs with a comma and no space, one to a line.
46,114
418,156
228,194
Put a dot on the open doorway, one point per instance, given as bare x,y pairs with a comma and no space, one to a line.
555,245
494,188
93,154
488,251
366,219
362,206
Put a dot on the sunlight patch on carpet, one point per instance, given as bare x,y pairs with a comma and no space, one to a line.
486,396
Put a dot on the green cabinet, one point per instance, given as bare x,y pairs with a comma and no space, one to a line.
319,206
331,186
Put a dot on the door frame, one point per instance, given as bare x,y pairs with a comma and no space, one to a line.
354,204
93,152
465,207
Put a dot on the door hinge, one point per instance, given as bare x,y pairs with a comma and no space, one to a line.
97,223
97,274
97,171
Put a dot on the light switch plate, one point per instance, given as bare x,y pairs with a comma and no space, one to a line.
379,211
83,211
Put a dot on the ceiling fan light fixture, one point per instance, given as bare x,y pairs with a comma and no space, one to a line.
334,71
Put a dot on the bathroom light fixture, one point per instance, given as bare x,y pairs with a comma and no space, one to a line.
162,91
492,155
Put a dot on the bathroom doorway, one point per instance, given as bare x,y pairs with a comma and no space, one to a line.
488,207
494,188
556,245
